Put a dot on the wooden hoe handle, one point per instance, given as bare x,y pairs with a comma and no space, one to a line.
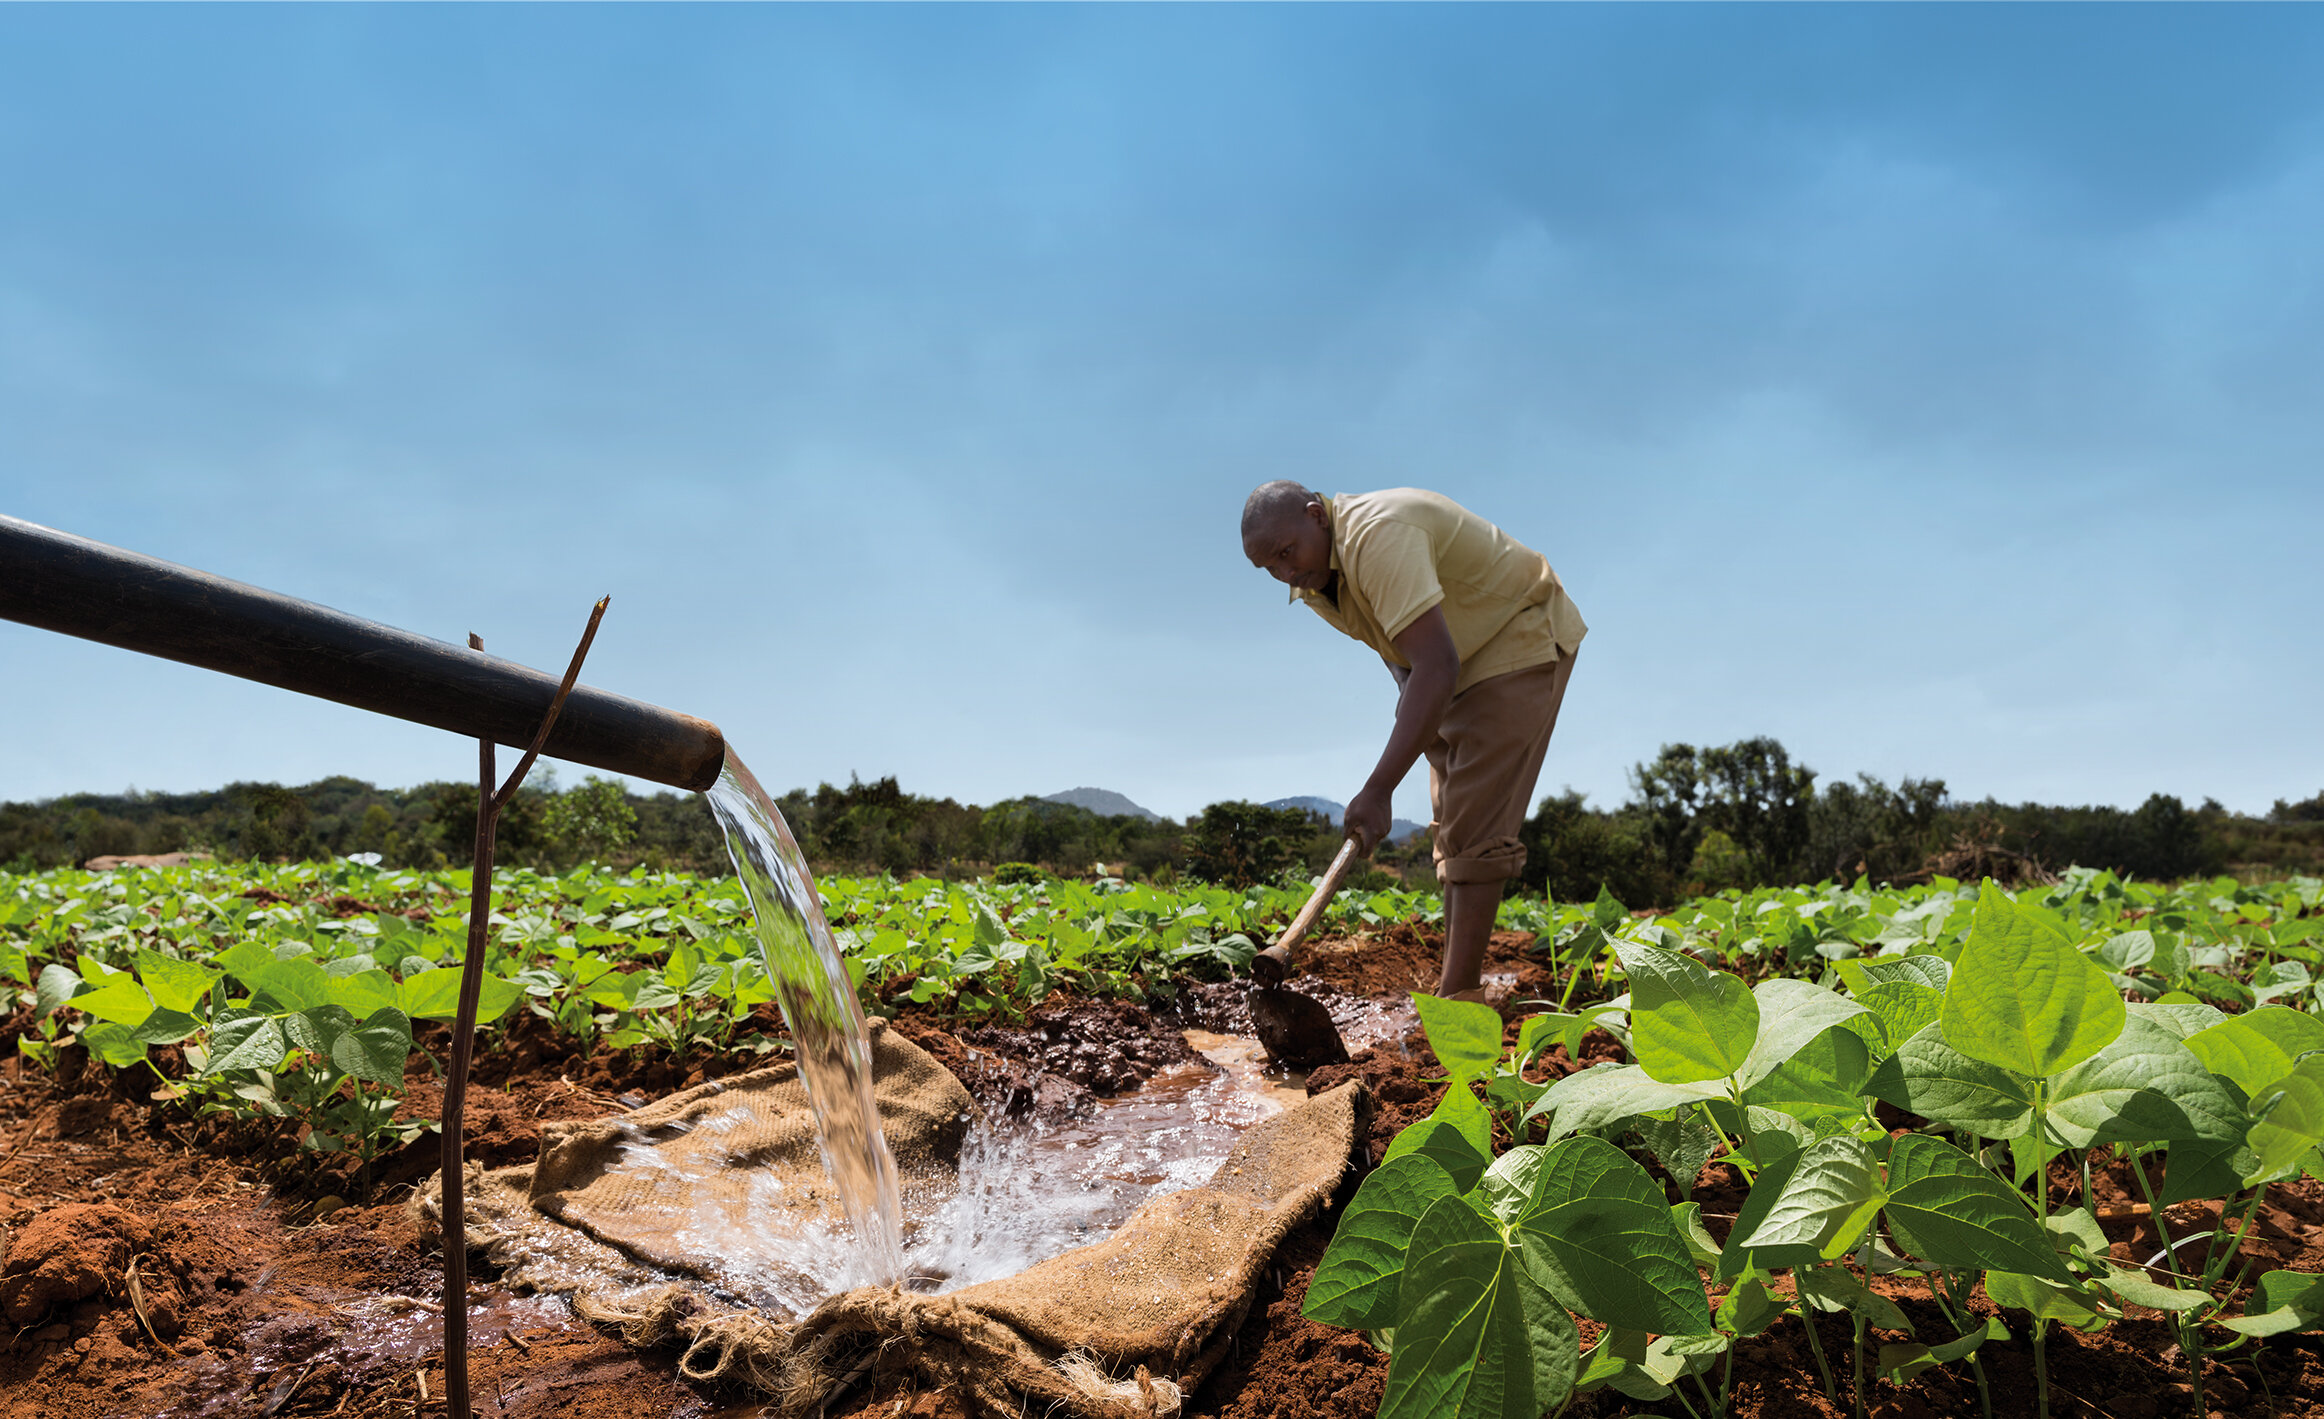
1274,963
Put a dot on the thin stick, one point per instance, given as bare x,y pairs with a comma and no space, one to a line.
516,776
488,806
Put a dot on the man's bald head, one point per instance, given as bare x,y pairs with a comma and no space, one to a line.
1270,505
1286,533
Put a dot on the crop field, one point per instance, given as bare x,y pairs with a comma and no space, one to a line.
1932,1150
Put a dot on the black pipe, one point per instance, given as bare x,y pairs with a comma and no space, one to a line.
59,582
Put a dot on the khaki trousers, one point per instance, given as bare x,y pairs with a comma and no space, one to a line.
1482,767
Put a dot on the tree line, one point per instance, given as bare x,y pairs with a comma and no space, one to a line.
1697,819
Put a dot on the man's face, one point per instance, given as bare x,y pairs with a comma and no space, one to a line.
1295,550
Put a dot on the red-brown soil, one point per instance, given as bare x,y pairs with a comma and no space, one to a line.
267,1292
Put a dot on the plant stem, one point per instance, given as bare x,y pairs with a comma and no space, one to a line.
2190,1336
1807,1319
2041,1368
1856,1360
1959,1317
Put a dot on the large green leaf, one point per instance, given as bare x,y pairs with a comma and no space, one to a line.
1688,1023
375,1051
54,987
2186,1019
2282,1302
250,1042
435,995
1825,1206
120,1001
1476,1337
175,984
1791,1013
288,986
115,1044
1948,1211
1602,1230
1607,1093
2290,1114
2146,1087
2255,1049
1444,1143
1355,1284
362,992
1862,975
1823,1080
1465,1036
1903,1008
1926,1076
2022,998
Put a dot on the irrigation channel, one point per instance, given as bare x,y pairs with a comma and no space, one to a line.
1027,1189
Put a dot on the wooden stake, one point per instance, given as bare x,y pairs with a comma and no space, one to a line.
488,805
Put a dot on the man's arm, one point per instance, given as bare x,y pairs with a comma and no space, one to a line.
1436,666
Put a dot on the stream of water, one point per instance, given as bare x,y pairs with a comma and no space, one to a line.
819,1004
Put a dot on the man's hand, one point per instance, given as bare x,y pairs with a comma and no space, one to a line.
1367,820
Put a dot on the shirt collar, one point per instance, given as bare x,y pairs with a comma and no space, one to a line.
1331,525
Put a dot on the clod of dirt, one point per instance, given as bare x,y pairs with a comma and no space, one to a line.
87,1113
1104,1046
66,1255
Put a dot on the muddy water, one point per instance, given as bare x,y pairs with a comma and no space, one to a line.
1031,1189
826,1022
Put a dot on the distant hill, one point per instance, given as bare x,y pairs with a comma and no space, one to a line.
1104,802
1398,828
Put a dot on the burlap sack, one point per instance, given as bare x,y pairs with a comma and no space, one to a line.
616,1208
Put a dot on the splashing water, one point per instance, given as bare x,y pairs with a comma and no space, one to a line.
819,1004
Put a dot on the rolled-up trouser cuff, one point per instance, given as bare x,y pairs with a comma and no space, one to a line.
1495,862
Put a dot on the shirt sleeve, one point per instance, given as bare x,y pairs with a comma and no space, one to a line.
1394,566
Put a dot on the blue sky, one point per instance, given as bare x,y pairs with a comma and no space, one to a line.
1934,389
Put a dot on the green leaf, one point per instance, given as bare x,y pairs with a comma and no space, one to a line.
1824,1079
2043,1300
375,1050
166,1027
1735,1259
114,1044
2186,1020
2290,1114
175,984
1443,1143
317,1028
2257,1048
1949,1212
2022,998
2135,1286
1835,1288
435,995
1901,1364
1476,1338
2281,1302
1466,1036
120,1000
55,987
363,992
1682,1143
1926,1076
1791,1013
1355,1284
1824,1207
289,986
1592,1098
1903,1008
2205,1169
1602,1231
250,1042
2146,1087
1864,975
1687,1023
1749,1308
242,958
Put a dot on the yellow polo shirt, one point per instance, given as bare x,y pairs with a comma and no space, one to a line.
1402,550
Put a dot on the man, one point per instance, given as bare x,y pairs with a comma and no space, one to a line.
1480,636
